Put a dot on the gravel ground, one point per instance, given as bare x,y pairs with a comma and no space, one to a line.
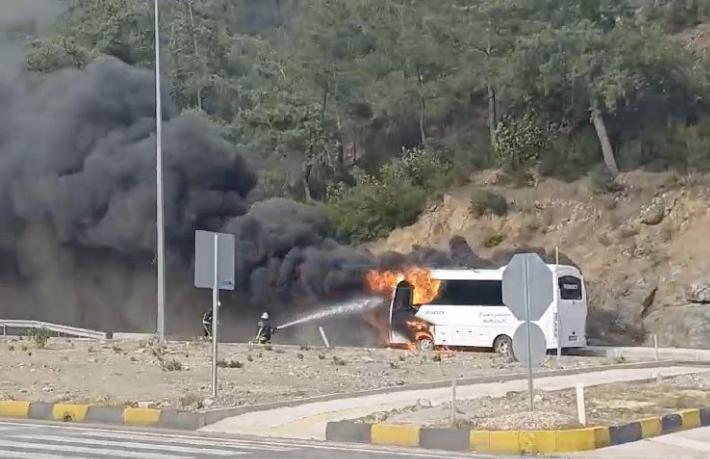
128,373
606,404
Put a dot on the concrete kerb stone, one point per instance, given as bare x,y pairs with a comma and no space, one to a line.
447,439
350,432
515,442
41,410
105,414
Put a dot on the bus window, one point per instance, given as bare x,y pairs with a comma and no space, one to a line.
470,293
570,288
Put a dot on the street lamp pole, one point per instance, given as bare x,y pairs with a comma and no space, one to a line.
159,184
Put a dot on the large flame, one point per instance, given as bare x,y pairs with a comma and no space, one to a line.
425,287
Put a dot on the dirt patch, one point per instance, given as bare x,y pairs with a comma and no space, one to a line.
607,404
178,375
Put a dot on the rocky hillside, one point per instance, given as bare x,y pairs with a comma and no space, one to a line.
644,251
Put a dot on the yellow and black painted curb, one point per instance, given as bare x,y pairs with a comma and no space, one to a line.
516,442
148,417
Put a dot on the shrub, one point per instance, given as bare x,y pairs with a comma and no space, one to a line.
40,336
425,169
601,181
483,202
494,240
520,142
395,197
375,206
171,365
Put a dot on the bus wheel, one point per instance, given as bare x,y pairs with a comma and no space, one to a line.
503,345
425,344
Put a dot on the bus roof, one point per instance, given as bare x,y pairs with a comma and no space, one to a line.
484,274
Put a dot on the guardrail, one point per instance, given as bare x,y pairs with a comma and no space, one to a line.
57,328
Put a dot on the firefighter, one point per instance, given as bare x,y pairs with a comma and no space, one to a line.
263,336
207,321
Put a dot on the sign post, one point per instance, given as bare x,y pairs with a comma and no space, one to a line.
214,269
558,316
528,292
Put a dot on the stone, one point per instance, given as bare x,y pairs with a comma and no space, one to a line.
653,213
699,292
681,326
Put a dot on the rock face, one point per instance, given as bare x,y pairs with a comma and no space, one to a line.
653,213
681,326
699,292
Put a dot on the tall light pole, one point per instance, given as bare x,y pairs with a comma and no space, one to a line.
159,184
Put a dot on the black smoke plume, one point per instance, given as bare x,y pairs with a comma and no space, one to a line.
77,214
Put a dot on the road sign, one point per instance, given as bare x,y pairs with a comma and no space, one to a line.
204,260
214,269
535,354
527,269
528,291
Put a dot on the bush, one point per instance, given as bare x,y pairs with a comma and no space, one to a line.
171,365
393,198
520,142
375,206
601,181
494,240
425,169
40,336
485,202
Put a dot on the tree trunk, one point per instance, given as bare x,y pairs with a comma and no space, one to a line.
492,115
306,185
607,150
422,110
197,55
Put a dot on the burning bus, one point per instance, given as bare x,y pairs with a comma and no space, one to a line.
464,308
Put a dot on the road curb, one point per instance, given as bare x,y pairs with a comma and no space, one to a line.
67,412
516,441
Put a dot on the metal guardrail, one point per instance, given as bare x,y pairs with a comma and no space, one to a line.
57,328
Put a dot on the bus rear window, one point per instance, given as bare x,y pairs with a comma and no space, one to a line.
570,288
470,293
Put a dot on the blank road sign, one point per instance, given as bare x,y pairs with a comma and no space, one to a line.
204,260
538,284
538,344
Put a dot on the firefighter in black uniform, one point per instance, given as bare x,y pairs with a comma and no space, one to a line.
207,321
263,336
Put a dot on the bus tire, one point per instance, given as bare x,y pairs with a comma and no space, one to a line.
425,345
503,345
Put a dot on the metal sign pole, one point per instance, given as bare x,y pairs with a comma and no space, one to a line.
215,314
556,287
526,295
159,221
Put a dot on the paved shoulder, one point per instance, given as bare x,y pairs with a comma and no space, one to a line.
20,440
688,444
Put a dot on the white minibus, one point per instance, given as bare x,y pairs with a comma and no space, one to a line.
469,312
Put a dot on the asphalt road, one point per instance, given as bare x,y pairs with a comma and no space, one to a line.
44,440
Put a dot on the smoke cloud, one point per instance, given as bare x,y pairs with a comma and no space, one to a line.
77,215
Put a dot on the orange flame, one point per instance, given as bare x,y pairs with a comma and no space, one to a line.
425,288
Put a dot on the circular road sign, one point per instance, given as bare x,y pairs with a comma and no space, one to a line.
538,344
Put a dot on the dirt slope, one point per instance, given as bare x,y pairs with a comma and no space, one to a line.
644,251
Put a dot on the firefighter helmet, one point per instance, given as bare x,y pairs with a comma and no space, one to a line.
265,316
